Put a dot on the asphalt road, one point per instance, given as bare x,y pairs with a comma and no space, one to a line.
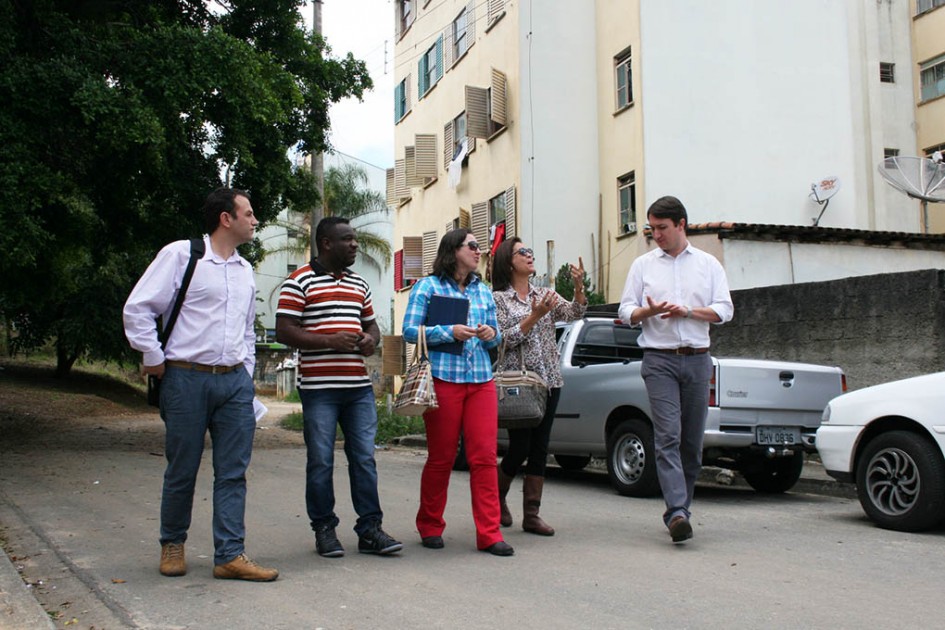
82,526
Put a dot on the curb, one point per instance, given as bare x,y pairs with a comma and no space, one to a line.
18,607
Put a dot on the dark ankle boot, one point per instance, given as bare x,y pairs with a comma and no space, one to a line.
531,522
505,482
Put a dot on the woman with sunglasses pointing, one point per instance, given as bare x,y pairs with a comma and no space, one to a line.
465,391
527,316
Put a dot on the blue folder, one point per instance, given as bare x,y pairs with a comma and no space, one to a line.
446,311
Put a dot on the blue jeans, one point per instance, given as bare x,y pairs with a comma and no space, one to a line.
678,389
191,404
322,411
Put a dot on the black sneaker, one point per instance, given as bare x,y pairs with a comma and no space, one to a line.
327,543
379,542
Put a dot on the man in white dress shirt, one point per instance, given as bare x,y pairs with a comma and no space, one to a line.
206,370
675,292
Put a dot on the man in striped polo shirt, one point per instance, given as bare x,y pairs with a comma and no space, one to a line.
325,311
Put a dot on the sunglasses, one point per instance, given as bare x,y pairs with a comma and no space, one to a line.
473,245
525,251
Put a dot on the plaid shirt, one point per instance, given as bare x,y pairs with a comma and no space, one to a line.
473,366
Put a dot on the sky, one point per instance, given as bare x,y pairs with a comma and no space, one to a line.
364,28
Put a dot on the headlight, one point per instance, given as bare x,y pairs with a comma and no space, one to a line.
825,417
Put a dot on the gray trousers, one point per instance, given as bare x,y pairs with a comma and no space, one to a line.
678,389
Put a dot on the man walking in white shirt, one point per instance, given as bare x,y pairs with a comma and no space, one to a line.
675,292
206,370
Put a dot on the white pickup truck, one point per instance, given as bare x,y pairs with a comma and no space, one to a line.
763,415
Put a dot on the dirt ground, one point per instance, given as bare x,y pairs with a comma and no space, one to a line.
87,411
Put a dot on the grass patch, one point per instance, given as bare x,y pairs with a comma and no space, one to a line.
293,397
389,425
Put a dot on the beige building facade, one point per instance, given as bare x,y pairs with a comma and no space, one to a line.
928,36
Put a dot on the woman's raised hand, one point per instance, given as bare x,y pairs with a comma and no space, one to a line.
544,304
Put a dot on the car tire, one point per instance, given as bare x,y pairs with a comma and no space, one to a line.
773,475
631,459
900,481
573,462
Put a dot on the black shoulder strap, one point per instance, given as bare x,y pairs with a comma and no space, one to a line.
197,250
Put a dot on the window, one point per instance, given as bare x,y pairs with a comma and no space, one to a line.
406,14
932,150
887,72
623,76
607,343
497,209
888,153
932,78
402,99
921,6
486,108
430,67
627,194
459,133
461,33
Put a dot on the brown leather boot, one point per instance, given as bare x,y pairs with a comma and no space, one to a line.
531,522
173,563
505,482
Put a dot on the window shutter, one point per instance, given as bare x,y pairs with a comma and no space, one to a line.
510,226
422,78
406,95
464,219
397,113
470,145
401,191
480,223
392,351
477,107
447,144
413,257
495,8
391,190
449,226
410,166
425,154
429,251
448,46
499,97
439,57
398,270
470,23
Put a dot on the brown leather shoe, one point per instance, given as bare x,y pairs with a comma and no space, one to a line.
680,529
242,568
173,563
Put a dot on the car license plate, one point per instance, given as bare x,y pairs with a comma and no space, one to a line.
778,436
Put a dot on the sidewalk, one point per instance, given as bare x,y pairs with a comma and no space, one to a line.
18,608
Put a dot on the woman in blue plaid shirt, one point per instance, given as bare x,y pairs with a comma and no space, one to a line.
465,391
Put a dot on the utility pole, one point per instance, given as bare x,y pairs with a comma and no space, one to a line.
318,165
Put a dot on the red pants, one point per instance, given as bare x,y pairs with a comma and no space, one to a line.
473,409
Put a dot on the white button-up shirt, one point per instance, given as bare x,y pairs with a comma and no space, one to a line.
215,325
693,278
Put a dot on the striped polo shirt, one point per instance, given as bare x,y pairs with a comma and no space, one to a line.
328,304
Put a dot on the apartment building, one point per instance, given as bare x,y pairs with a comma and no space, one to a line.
561,121
928,77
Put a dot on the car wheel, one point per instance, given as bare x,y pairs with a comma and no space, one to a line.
573,462
900,481
460,462
773,475
631,459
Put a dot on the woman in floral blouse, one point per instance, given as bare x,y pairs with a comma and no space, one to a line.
527,316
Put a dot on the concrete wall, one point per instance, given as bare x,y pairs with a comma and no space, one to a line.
877,328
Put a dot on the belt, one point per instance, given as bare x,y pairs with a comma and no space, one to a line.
684,351
200,367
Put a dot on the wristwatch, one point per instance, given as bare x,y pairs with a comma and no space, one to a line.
688,312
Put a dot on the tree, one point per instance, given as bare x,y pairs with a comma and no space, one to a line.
347,195
564,285
118,117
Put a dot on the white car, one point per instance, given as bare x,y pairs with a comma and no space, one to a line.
889,440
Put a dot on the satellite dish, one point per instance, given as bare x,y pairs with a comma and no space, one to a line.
919,178
822,191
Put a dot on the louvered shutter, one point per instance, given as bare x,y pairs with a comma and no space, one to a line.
398,270
425,154
413,257
439,57
429,251
498,95
464,219
401,191
397,113
448,47
447,144
480,224
470,24
495,8
511,227
392,351
477,111
422,77
449,226
391,188
410,166
406,95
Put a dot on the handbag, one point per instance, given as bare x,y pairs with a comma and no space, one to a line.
417,393
523,395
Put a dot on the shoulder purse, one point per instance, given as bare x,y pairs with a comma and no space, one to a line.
417,395
523,395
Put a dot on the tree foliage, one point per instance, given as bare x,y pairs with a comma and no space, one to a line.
564,285
117,118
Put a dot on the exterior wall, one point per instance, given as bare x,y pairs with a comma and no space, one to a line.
759,109
275,267
929,43
559,131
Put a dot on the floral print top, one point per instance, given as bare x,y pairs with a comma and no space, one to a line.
538,345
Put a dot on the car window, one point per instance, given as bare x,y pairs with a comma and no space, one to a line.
607,342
